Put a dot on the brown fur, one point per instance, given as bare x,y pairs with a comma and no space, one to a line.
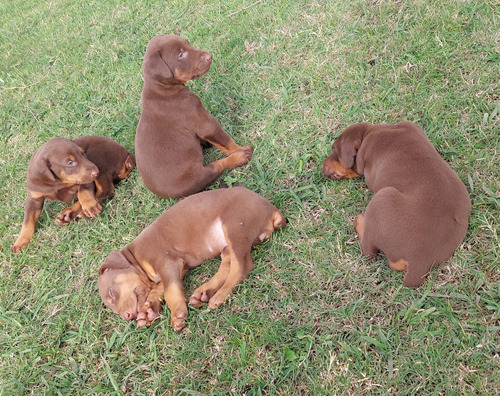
174,124
64,170
420,208
226,222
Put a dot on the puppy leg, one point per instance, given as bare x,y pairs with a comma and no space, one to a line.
176,301
359,225
201,177
32,210
367,247
240,262
240,266
203,293
215,135
171,274
86,196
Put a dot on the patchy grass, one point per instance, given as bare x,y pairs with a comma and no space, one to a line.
315,316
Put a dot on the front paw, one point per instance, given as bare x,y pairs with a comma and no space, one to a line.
243,156
217,300
198,299
149,311
147,316
17,247
66,216
178,320
92,210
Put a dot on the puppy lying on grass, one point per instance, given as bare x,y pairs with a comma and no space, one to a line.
228,222
419,212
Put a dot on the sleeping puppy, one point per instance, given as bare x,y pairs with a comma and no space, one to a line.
174,125
226,222
420,209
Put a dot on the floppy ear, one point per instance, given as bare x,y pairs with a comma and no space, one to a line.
115,260
349,150
40,173
155,66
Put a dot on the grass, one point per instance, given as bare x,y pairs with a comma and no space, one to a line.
315,316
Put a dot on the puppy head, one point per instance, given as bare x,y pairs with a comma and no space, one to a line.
121,287
61,160
341,163
171,59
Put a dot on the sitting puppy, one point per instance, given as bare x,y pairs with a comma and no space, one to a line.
419,212
63,169
174,124
228,222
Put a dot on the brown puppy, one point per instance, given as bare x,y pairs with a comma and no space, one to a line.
228,222
419,213
174,124
63,170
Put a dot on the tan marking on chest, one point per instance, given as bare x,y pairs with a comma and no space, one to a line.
150,271
215,241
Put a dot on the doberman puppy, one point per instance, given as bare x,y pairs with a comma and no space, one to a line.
174,124
63,170
228,222
420,208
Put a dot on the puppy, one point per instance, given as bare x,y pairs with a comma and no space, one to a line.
420,208
228,222
64,170
174,124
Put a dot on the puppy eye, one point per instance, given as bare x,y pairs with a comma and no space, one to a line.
181,54
71,163
111,294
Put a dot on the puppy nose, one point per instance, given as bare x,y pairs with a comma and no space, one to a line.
94,173
208,58
128,316
324,168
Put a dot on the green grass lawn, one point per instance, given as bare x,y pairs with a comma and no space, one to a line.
314,316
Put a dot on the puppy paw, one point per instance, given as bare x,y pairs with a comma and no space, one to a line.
178,320
217,300
149,311
198,299
66,216
16,248
147,317
248,150
241,157
92,210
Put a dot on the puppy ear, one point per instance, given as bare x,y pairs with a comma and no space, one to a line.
115,260
349,151
43,171
351,141
156,67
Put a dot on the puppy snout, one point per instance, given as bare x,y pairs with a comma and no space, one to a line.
208,57
324,169
94,173
128,315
